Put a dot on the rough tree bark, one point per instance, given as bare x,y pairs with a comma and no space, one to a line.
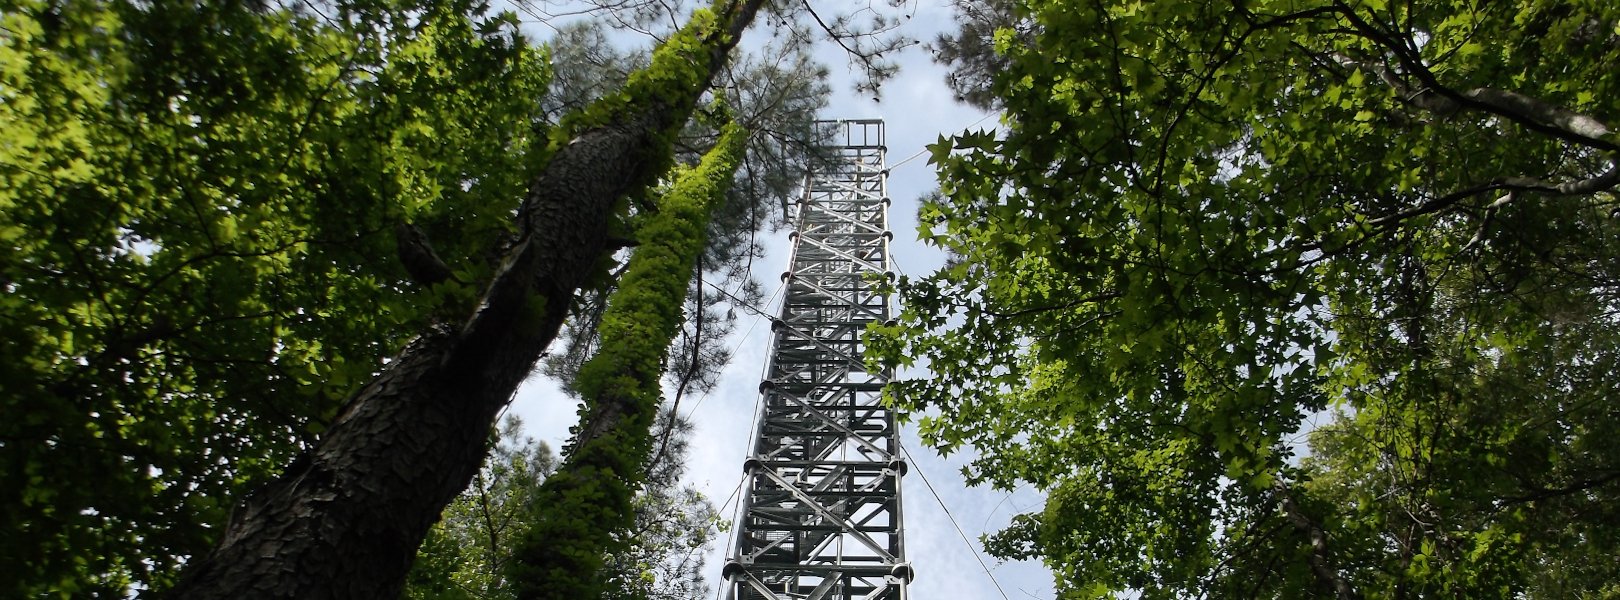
346,518
584,508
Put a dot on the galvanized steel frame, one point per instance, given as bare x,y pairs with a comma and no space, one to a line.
821,514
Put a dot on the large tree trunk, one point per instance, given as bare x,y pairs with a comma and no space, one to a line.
582,510
344,521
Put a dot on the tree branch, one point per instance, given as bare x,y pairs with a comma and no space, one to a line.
1539,494
686,377
1533,113
1110,295
1511,185
1321,564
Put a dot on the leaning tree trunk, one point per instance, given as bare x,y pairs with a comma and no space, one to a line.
345,519
584,507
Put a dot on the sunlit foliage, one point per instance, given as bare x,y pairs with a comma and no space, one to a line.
1286,299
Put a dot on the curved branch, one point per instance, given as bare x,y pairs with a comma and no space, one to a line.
1528,111
686,377
1511,185
1537,494
864,51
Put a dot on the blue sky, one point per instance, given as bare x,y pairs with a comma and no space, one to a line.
917,108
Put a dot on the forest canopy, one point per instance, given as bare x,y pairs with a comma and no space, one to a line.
271,271
1270,298
1283,299
198,205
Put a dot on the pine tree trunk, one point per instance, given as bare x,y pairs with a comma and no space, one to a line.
345,519
582,510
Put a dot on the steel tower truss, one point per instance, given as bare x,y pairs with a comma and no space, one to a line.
821,512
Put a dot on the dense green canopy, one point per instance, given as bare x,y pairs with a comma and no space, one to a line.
240,233
197,212
1286,298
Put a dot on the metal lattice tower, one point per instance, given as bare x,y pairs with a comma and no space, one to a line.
821,511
